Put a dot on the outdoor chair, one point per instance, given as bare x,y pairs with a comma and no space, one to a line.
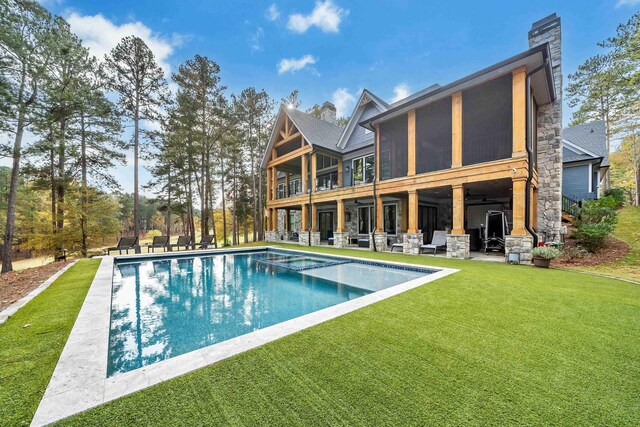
439,240
205,242
397,245
124,244
363,243
158,242
183,241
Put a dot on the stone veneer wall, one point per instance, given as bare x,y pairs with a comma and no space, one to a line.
458,246
550,140
519,244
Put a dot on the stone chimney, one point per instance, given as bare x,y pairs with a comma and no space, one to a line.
328,113
547,30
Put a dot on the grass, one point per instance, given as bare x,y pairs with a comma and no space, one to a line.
28,355
493,344
627,230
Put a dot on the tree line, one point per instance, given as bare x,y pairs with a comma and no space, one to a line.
607,87
65,114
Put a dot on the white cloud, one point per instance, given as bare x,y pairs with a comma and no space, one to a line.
101,35
292,64
272,12
326,16
255,41
401,91
627,3
343,100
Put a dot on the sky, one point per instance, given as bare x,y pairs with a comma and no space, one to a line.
332,49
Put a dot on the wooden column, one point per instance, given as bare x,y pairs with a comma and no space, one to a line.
269,195
379,215
340,209
314,168
519,196
404,207
287,218
304,174
519,112
458,209
273,222
413,212
286,185
411,139
304,222
340,179
377,155
274,177
456,130
314,217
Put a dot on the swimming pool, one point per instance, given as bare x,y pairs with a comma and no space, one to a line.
166,306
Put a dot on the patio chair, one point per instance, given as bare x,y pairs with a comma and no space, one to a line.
183,241
124,244
439,240
158,242
397,245
205,242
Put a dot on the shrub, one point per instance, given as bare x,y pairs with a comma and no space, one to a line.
574,252
605,202
153,233
618,195
597,220
546,252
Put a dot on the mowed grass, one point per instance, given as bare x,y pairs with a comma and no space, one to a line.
28,354
628,230
492,344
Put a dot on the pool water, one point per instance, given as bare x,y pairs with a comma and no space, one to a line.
167,306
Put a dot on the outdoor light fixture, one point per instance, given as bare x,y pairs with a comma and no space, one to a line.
347,168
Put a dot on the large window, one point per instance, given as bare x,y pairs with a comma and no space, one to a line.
327,181
324,162
487,122
433,136
365,219
363,169
390,218
393,148
295,187
281,190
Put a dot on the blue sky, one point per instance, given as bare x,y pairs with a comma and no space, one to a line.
330,50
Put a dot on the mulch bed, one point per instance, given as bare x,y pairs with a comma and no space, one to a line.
612,251
16,284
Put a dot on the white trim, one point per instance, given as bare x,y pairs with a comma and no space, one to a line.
80,381
577,147
13,308
590,188
599,181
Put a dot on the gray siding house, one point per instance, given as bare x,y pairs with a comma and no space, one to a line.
585,161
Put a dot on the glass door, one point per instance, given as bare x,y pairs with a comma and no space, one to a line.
326,225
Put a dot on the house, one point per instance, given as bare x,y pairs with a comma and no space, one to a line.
585,162
438,160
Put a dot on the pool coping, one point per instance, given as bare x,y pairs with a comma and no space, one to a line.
79,381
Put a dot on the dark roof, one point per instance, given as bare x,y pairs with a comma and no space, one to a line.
590,137
316,131
416,95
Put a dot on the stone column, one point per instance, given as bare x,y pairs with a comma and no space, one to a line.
411,243
519,244
458,246
380,239
548,30
340,239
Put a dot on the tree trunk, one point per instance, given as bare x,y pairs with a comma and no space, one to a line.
136,207
224,207
85,201
52,171
169,204
61,178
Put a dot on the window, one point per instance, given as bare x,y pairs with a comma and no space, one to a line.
281,190
327,181
295,187
363,169
324,162
487,121
292,222
393,148
433,136
390,218
365,219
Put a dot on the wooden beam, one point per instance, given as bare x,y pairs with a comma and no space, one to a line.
314,217
304,223
519,100
456,130
289,156
413,212
269,196
411,140
304,174
519,196
274,177
286,184
286,139
286,125
340,209
314,169
458,209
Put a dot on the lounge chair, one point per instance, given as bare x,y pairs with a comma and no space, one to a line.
124,244
399,246
205,242
183,241
158,242
439,240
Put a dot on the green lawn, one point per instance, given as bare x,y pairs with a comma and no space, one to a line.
28,355
492,344
627,230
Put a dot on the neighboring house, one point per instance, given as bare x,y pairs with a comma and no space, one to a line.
437,160
585,162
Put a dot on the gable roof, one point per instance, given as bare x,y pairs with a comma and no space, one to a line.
365,98
587,141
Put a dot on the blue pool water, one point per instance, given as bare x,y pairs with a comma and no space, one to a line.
164,307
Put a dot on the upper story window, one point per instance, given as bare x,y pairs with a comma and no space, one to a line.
327,181
325,162
433,136
295,187
393,147
487,121
363,169
282,190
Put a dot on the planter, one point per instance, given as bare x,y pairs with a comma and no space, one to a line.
541,262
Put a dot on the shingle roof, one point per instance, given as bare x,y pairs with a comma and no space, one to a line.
590,137
317,131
